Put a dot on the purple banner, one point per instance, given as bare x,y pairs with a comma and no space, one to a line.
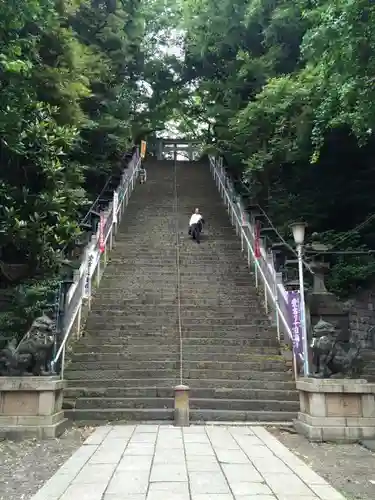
294,309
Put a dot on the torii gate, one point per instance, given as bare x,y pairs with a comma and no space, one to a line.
190,148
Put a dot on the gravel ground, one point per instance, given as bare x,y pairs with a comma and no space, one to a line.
349,468
26,465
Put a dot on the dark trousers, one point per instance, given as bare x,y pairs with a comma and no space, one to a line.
195,231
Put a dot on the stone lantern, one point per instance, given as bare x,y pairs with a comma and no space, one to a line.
322,303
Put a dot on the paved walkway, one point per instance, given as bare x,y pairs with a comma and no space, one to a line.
151,462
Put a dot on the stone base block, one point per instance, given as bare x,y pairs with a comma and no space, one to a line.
18,432
339,410
31,407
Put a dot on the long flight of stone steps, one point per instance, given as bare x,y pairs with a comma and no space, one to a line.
126,365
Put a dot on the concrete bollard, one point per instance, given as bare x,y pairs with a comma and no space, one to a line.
181,405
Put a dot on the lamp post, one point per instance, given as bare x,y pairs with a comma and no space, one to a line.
298,229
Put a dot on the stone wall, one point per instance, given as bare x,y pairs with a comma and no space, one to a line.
362,316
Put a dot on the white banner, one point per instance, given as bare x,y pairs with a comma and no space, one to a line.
115,206
92,262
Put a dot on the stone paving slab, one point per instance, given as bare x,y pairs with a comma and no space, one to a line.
152,462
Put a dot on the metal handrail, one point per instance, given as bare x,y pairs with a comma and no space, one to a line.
81,272
270,224
259,269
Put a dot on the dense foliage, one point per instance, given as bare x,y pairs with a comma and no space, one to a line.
78,85
287,92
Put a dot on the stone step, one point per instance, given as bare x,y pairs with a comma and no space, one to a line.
287,385
146,415
117,280
169,260
106,403
164,340
212,415
213,250
168,392
115,336
123,415
155,253
187,291
188,373
188,283
254,321
244,405
187,277
228,238
157,250
262,363
133,313
213,325
169,297
130,287
168,238
169,293
187,259
143,296
154,269
188,309
137,266
172,354
187,304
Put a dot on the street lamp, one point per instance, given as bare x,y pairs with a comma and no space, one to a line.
298,229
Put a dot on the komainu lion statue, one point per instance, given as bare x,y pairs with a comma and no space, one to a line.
333,358
33,354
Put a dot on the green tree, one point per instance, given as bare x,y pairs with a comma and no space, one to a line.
288,89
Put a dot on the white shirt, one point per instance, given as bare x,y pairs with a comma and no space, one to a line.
194,219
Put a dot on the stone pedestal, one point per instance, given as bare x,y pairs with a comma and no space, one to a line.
339,410
31,407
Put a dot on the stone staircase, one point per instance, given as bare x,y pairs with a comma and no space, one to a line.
126,365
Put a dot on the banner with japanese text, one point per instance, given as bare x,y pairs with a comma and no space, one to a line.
115,206
101,233
92,262
294,310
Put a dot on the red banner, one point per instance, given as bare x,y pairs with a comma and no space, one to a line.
257,240
101,234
